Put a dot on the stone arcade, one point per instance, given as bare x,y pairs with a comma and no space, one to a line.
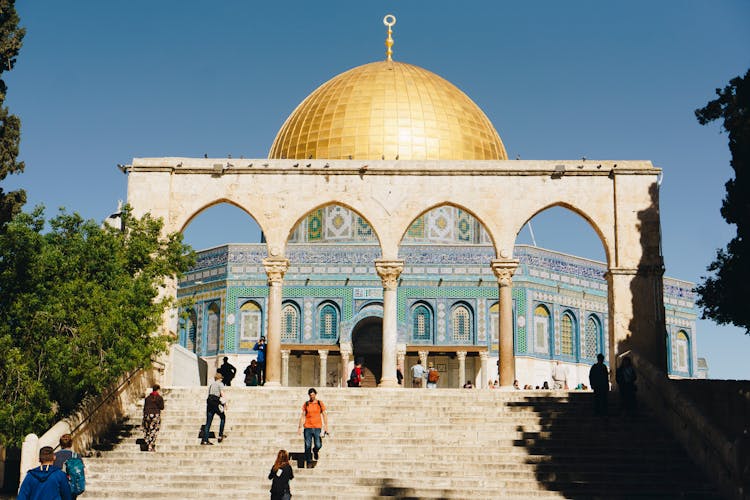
390,212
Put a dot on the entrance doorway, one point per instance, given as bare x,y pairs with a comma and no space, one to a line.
367,346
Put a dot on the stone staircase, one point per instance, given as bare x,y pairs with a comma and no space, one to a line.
402,443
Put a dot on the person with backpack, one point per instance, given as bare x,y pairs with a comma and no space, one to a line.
313,417
432,376
46,481
281,473
152,407
72,465
356,376
214,406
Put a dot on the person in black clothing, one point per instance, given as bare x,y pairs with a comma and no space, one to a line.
251,373
626,377
599,380
227,372
152,407
281,473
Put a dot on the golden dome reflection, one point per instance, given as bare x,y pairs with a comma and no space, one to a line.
388,110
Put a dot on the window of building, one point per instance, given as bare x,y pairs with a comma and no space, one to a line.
290,323
567,333
541,329
493,327
212,330
250,322
461,323
681,352
421,323
191,331
591,337
329,328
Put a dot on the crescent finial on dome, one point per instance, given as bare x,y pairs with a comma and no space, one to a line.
389,20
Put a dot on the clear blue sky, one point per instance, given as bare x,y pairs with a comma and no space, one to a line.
98,83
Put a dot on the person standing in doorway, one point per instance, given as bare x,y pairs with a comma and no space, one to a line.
313,418
417,374
214,406
228,371
599,380
260,346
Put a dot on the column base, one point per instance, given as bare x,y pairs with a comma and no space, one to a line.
272,384
388,383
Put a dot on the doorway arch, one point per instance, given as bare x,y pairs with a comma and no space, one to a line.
367,345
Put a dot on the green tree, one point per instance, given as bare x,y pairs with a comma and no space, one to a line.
723,295
11,37
80,303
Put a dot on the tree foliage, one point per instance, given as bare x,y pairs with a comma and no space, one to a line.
723,295
11,37
80,304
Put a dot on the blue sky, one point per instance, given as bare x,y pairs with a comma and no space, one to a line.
98,83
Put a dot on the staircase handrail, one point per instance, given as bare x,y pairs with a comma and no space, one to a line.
721,459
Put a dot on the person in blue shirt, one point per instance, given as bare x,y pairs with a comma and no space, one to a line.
260,346
45,482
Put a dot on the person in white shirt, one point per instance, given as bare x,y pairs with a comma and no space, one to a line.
417,374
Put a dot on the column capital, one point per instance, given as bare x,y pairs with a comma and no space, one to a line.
401,349
323,353
656,269
389,271
285,353
484,355
504,270
275,268
461,355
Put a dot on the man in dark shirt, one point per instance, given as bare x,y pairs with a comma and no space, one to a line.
227,372
260,346
599,380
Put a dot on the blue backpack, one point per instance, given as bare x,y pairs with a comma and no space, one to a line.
76,476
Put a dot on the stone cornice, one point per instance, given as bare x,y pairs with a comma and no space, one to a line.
219,167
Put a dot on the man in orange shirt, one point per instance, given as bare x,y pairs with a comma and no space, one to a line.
313,417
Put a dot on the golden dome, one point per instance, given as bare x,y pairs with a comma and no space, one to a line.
388,110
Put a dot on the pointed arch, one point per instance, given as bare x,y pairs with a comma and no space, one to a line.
361,226
464,215
588,218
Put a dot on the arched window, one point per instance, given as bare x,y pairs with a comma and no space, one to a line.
591,337
213,327
250,322
421,323
461,324
541,329
567,333
494,319
329,324
680,352
191,331
289,323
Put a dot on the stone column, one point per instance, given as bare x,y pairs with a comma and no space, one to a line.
423,358
483,357
285,367
275,269
400,356
504,269
636,314
461,355
345,348
389,271
323,367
